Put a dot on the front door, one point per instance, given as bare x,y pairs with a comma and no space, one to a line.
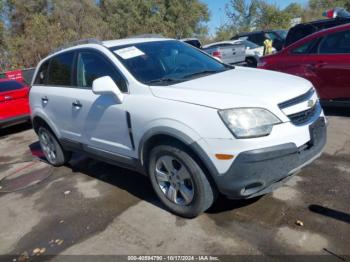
102,120
331,65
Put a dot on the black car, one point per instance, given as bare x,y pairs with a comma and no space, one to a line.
337,17
192,41
258,37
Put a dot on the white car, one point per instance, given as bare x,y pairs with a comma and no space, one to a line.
252,51
195,126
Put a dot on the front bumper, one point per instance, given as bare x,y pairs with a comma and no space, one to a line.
14,120
260,171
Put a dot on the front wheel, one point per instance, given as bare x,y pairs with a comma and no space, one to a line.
179,181
251,62
51,148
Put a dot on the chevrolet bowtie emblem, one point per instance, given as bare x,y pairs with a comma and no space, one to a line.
310,103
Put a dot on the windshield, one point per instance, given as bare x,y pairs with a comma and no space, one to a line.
166,62
282,33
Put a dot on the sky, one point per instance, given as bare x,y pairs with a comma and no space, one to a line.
218,16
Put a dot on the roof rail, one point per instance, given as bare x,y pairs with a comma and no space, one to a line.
146,36
75,43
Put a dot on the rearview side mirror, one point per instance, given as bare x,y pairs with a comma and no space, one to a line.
105,85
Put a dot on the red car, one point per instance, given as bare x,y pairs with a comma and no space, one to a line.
323,58
14,104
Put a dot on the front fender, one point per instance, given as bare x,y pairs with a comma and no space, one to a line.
38,112
173,128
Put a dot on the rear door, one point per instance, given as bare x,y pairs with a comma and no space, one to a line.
296,61
13,99
331,66
54,91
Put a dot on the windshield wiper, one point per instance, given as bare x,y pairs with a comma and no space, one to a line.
163,80
204,72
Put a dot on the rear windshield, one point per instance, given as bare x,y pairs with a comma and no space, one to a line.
10,86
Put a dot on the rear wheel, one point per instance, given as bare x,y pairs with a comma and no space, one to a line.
51,148
179,181
251,62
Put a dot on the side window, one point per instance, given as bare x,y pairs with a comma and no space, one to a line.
338,43
41,77
60,70
306,48
92,66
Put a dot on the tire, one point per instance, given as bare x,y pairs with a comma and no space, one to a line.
251,62
51,148
173,166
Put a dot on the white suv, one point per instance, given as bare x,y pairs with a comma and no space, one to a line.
195,126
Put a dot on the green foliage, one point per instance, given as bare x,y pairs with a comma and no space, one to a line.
36,27
173,18
224,32
271,17
243,15
259,14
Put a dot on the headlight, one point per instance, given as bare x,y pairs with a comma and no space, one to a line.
249,122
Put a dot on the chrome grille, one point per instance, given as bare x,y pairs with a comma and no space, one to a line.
304,116
297,99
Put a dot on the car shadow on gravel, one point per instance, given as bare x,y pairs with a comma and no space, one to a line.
336,111
134,183
224,204
329,212
14,129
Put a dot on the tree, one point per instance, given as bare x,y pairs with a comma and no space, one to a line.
259,14
173,18
38,39
20,11
79,19
294,10
271,17
242,15
224,32
36,27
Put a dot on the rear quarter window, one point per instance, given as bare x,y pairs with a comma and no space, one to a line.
10,85
41,77
60,70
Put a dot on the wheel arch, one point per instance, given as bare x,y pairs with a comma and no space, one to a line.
152,139
38,121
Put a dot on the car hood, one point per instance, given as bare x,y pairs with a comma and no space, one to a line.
239,87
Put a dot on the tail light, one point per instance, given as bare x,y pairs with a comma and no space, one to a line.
217,54
330,13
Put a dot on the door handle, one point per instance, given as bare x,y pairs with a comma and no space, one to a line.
45,100
8,97
77,104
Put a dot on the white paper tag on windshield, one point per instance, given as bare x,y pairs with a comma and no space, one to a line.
129,52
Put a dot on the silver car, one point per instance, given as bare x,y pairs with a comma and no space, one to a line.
229,53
